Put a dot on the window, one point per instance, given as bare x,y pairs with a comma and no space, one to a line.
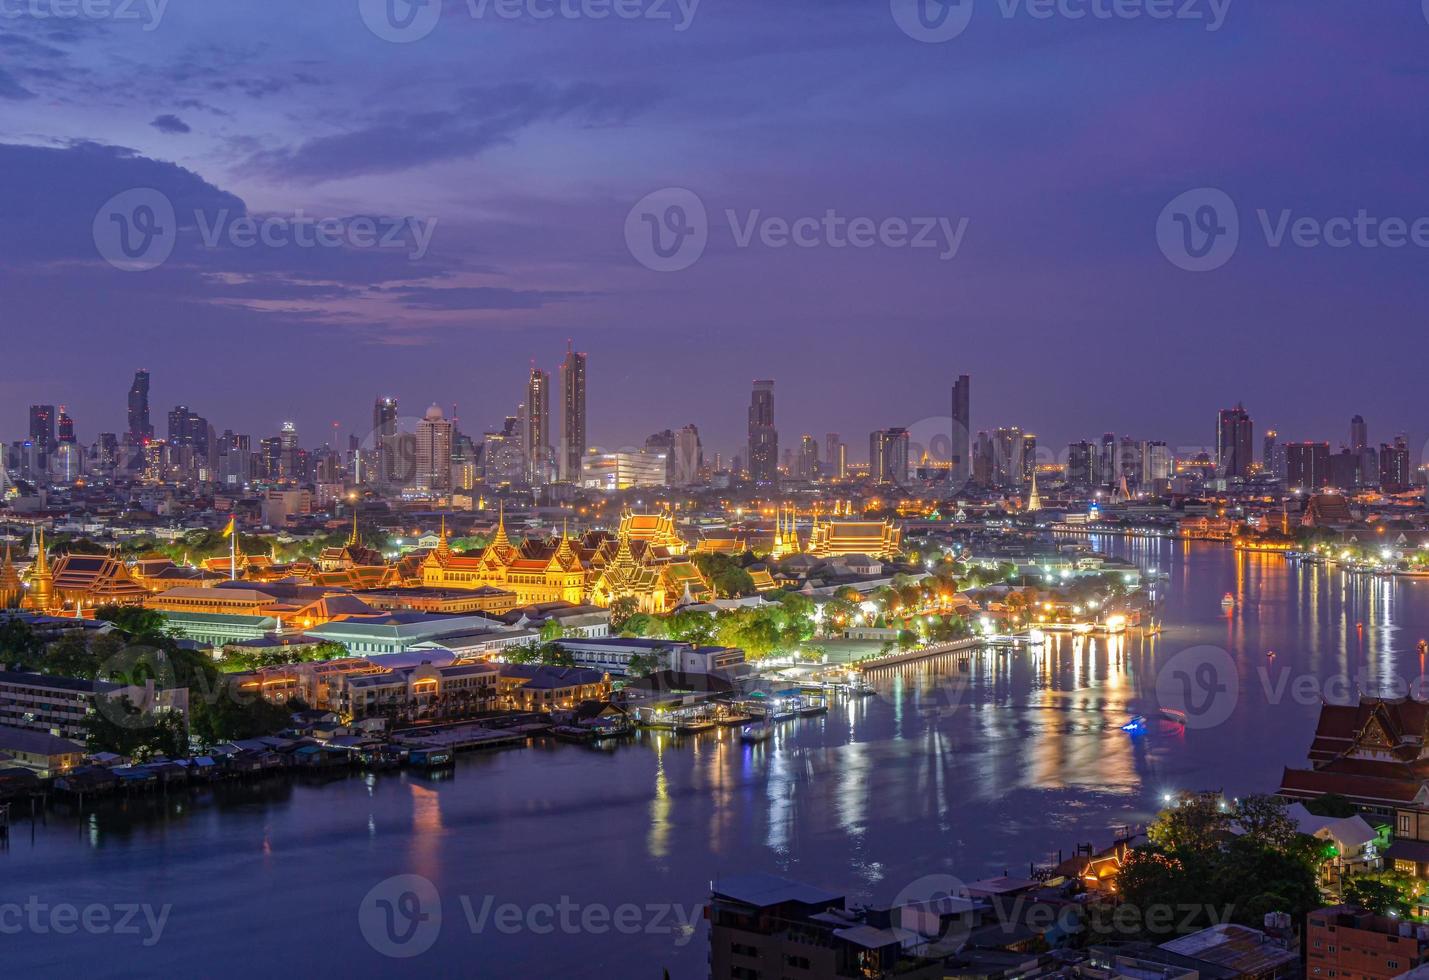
1406,867
1404,823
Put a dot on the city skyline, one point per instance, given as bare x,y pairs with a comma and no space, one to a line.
1059,260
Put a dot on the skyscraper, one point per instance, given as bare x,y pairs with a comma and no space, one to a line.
808,460
1307,465
689,456
573,434
140,428
763,436
42,427
1359,433
384,442
1233,443
961,449
64,426
434,452
1394,474
538,426
888,456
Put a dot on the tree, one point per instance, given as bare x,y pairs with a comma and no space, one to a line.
1383,893
18,641
621,610
136,621
121,727
1195,822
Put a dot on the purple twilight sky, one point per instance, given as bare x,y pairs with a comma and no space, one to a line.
528,140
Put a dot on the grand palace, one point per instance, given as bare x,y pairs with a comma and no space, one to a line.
645,559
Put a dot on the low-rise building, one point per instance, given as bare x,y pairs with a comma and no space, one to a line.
537,687
1348,943
42,753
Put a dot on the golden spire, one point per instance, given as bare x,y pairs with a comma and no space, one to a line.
499,539
42,560
443,548
353,540
41,578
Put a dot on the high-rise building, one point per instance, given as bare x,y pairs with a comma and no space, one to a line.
1007,470
64,426
960,451
270,452
538,426
1106,461
503,454
573,432
835,457
763,436
1029,456
1307,466
1345,470
1272,458
1081,469
384,443
689,457
42,427
1233,443
1359,433
888,456
1156,464
288,442
807,465
1129,461
984,460
140,428
434,452
1394,474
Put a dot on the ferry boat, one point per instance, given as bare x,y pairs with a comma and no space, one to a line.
1227,600
757,731
1174,715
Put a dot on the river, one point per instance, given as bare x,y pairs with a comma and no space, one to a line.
570,861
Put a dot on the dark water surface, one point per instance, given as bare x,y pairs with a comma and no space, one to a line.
969,771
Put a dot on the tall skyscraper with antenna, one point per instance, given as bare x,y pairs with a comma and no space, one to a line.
141,430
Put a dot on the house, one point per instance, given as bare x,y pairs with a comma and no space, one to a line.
1348,942
536,687
45,754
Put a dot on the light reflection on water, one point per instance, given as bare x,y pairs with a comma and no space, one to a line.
970,768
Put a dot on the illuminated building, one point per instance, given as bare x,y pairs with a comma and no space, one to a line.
350,555
12,590
878,539
538,426
41,595
1007,460
656,530
573,417
434,452
689,457
1394,475
961,449
835,457
94,580
623,470
528,575
1034,502
1307,465
384,442
141,430
763,459
786,534
1233,442
807,463
888,456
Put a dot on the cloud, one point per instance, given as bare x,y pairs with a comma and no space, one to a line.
12,89
480,297
169,123
480,119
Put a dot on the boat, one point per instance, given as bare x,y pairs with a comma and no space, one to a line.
1136,726
1227,600
809,710
1175,715
758,731
573,733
